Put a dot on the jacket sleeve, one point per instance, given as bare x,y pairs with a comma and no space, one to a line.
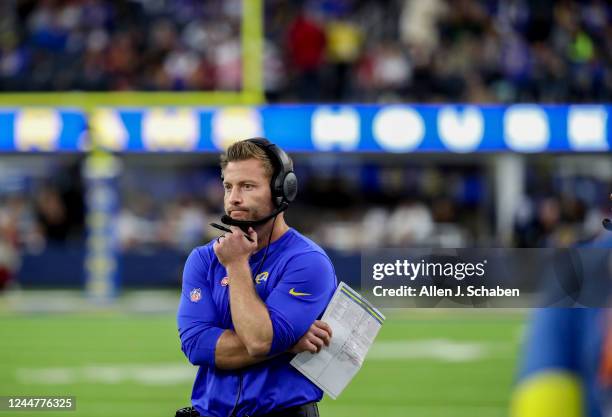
549,381
305,289
197,317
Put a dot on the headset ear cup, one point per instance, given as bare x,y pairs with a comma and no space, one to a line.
283,183
276,185
290,187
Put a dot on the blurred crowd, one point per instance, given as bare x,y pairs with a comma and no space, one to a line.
101,45
350,204
346,205
37,211
317,50
468,50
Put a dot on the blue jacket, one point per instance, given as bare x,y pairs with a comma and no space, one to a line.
562,361
296,283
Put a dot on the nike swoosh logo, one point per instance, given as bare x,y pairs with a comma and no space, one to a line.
297,294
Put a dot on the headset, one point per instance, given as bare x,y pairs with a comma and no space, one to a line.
284,183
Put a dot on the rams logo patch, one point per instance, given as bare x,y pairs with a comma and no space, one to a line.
195,295
261,277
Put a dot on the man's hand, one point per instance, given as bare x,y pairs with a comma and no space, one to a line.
316,337
234,247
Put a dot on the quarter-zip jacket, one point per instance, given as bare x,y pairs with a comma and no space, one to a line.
296,282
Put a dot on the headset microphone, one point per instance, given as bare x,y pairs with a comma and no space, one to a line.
245,224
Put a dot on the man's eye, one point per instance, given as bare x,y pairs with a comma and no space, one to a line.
227,187
248,186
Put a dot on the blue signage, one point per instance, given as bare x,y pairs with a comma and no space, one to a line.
397,128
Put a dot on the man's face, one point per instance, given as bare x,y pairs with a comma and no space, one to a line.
247,190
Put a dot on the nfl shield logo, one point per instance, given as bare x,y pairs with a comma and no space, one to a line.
195,295
224,282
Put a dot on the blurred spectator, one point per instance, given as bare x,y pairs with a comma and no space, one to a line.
384,71
137,223
419,24
344,40
373,226
185,224
52,215
9,241
306,44
410,224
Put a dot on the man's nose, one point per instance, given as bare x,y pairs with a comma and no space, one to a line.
235,196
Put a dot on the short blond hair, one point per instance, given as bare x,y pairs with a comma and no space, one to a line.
243,150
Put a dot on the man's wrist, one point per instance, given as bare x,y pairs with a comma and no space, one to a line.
238,267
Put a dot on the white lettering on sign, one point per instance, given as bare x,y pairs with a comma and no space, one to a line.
398,128
586,128
526,128
461,130
333,129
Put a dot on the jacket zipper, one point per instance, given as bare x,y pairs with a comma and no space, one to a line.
237,397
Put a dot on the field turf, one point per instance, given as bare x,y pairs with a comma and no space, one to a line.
426,363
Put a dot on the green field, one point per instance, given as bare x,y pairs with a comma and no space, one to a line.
425,363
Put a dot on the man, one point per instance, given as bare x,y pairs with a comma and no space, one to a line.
249,304
566,365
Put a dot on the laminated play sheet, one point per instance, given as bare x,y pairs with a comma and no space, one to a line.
355,323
